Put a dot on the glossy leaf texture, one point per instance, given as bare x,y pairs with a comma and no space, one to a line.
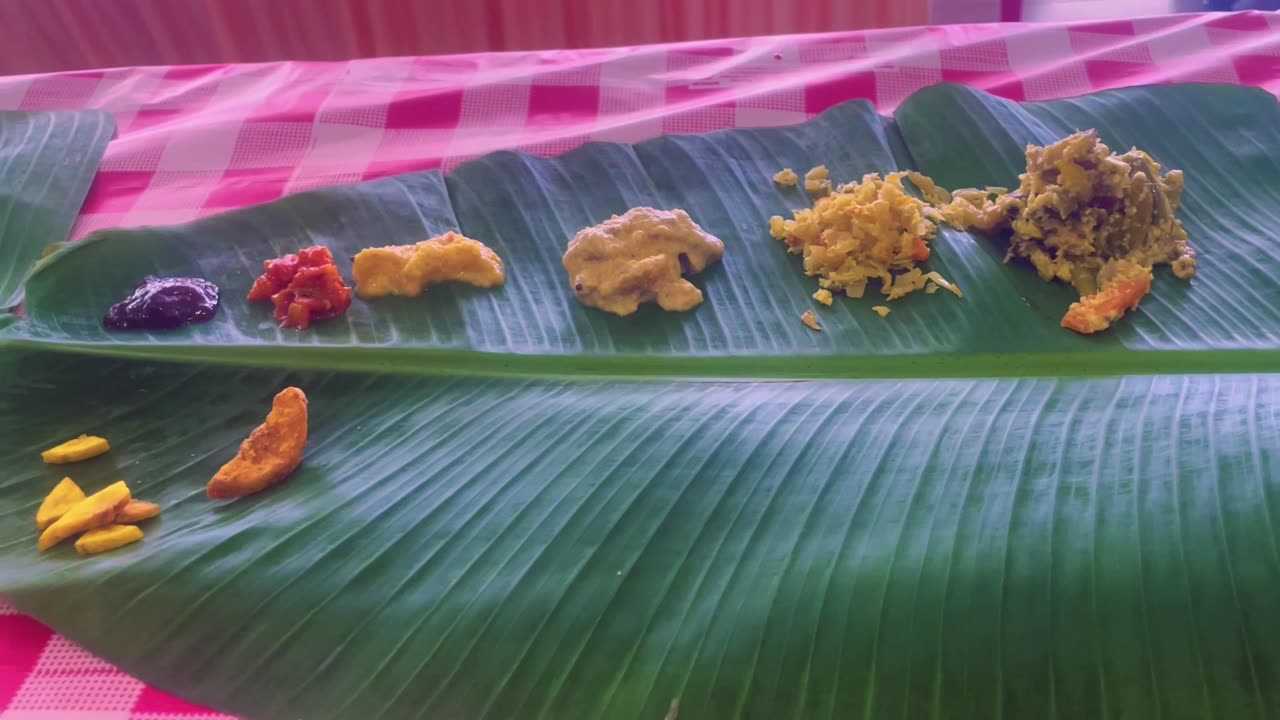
527,208
47,161
1225,139
514,506
496,548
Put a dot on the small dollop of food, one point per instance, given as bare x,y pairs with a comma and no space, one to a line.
271,452
786,176
638,257
304,288
868,230
106,517
810,321
1123,284
881,310
163,304
135,511
817,182
407,270
71,451
64,496
1078,211
94,511
107,537
824,296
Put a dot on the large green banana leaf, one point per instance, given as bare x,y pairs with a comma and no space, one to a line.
47,161
515,507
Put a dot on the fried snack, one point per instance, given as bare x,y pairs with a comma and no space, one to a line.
1124,284
65,495
82,448
94,511
271,452
107,537
407,270
137,511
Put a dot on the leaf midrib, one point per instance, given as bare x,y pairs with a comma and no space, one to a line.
470,363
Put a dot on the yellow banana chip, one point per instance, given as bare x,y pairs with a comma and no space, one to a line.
82,448
65,495
94,511
107,537
136,511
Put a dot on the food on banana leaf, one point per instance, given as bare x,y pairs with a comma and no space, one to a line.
136,511
95,511
107,537
638,257
407,270
270,454
1084,215
163,304
787,177
65,495
867,230
817,182
303,287
810,321
824,296
881,310
81,448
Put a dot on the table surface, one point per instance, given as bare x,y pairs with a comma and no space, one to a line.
197,140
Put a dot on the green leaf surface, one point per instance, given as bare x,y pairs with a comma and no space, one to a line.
1225,139
497,548
516,507
527,208
47,161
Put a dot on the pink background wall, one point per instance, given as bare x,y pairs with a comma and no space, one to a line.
52,35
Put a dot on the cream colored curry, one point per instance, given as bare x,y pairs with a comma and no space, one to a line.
638,257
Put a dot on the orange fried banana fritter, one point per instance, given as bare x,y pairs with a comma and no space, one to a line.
1124,284
271,452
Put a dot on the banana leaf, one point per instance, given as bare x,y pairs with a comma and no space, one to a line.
513,506
47,161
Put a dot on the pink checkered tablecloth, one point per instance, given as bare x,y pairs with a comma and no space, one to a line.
195,140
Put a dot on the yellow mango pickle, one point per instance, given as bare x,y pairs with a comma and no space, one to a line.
65,495
107,537
94,511
82,448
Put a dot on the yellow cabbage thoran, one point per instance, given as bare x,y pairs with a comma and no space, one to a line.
65,495
94,511
82,448
107,537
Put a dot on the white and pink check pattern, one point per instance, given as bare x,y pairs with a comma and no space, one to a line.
197,140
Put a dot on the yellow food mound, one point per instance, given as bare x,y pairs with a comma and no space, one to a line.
409,269
868,230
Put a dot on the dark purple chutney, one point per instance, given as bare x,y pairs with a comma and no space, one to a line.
164,304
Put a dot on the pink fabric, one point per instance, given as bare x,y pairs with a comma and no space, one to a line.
199,140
